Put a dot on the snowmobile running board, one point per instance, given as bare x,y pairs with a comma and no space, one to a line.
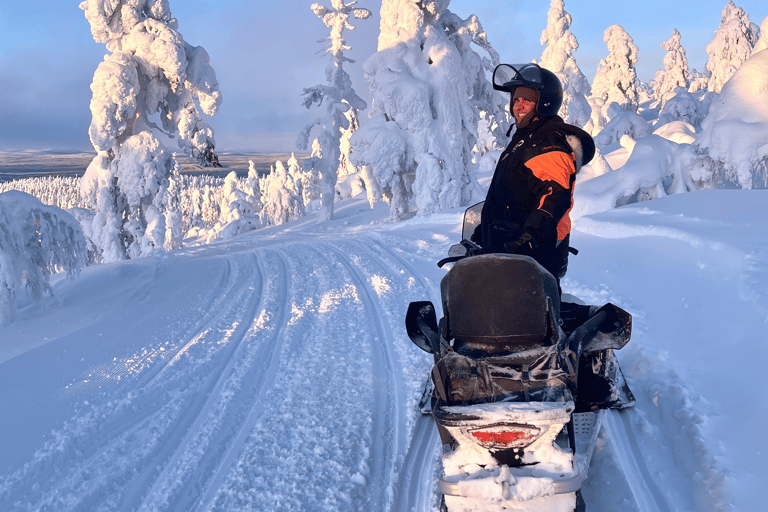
586,429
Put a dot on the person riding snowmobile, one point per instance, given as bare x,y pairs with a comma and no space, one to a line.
527,207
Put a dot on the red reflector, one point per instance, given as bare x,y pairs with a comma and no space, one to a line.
502,437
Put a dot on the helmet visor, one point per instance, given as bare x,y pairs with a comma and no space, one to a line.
508,77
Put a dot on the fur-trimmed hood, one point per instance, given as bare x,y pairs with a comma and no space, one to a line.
580,141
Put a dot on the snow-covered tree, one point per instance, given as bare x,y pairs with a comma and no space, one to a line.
731,46
623,122
698,81
733,140
489,108
151,75
281,196
346,167
296,173
252,185
616,77
36,241
675,73
558,57
310,177
339,96
681,105
237,204
429,87
381,148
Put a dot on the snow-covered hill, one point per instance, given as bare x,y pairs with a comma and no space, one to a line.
272,371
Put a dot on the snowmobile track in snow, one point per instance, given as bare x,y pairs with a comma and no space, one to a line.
417,487
387,397
246,370
629,455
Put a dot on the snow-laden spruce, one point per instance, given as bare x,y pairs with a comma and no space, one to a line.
676,71
616,78
421,133
36,240
682,105
151,75
558,57
341,101
731,46
282,195
734,136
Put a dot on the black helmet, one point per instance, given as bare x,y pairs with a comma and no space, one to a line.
508,77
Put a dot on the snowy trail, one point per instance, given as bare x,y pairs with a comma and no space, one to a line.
262,360
281,380
232,396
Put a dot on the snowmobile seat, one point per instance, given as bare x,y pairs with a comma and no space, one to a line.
499,303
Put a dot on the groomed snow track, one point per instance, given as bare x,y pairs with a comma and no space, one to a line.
282,380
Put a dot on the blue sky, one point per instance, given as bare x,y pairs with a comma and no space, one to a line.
265,53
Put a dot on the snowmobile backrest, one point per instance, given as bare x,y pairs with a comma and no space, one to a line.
500,303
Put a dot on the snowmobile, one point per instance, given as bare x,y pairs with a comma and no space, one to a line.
520,382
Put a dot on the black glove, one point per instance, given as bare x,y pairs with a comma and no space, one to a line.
477,235
522,245
538,223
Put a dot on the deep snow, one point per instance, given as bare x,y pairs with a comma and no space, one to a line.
272,371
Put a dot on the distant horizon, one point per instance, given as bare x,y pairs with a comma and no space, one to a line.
76,151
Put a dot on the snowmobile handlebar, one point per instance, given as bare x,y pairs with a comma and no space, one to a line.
460,251
450,259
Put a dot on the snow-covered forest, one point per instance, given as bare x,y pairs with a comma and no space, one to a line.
433,124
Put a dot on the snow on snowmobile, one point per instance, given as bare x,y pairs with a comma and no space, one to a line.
520,382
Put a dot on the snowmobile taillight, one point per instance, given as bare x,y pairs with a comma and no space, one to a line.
505,436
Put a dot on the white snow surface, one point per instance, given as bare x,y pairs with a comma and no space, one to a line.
271,371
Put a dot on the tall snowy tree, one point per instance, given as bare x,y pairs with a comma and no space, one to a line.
151,75
731,46
310,177
489,108
428,87
675,73
616,77
338,95
558,57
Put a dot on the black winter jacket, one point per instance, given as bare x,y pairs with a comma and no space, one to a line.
532,191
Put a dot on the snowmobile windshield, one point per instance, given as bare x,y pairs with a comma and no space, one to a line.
508,77
472,217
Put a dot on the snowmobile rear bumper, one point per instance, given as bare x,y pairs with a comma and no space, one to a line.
586,428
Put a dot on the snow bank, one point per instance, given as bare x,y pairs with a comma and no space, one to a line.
735,133
656,167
